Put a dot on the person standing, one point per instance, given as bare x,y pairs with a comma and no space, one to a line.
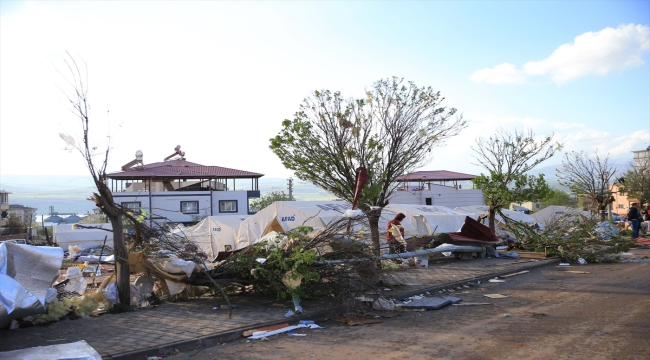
633,217
396,245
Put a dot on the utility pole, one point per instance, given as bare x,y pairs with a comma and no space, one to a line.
290,183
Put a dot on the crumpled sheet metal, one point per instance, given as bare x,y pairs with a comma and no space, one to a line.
26,273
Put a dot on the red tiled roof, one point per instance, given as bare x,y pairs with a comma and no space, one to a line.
180,169
434,175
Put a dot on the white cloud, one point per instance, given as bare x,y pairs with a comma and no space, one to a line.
592,53
505,73
457,154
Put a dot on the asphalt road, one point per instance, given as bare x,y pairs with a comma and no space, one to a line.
599,311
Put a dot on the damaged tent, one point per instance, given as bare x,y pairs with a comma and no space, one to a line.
554,213
282,216
279,217
511,214
71,234
428,218
215,234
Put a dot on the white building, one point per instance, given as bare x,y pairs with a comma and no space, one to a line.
179,191
421,188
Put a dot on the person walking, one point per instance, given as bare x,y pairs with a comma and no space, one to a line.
633,217
395,244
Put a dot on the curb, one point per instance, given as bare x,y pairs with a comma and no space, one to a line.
209,340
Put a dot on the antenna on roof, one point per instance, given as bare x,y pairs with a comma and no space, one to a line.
178,152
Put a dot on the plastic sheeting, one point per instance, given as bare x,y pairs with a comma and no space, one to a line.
26,274
79,350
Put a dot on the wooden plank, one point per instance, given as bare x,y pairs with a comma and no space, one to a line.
514,274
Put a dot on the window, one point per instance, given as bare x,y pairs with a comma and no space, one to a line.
537,206
190,207
133,205
227,206
620,206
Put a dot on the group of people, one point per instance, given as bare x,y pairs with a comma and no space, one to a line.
635,217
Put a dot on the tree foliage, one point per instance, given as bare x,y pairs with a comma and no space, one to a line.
635,182
560,198
589,176
508,157
390,132
268,199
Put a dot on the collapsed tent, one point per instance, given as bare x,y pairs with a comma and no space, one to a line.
511,214
428,219
215,234
71,234
283,216
554,213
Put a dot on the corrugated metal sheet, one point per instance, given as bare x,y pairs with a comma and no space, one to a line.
180,169
435,175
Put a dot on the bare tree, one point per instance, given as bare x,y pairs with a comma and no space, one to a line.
96,161
635,182
508,157
390,132
588,176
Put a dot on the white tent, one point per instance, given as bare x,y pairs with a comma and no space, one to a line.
514,215
428,218
554,213
282,216
69,234
215,234
279,217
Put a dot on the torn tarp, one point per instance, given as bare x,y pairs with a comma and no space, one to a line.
26,274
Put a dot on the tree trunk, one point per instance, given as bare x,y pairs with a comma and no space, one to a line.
601,211
491,218
121,262
373,220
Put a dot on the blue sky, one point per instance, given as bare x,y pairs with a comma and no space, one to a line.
218,78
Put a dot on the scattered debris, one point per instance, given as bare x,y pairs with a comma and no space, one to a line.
495,296
564,264
266,328
506,315
495,280
576,272
75,350
582,261
431,303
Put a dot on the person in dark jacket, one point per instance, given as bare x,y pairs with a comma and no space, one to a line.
633,218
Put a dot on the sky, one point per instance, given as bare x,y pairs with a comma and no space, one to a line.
218,77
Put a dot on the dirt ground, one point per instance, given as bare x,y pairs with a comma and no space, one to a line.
599,311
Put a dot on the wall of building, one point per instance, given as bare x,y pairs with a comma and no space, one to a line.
166,205
439,195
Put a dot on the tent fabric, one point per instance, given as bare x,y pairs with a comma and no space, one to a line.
428,218
514,215
279,217
68,234
215,234
473,231
553,213
282,216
